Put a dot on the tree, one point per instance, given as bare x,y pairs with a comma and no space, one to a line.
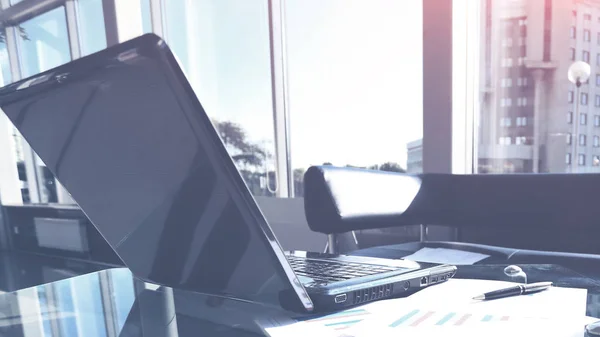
241,150
22,33
389,167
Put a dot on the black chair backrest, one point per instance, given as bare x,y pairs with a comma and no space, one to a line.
547,208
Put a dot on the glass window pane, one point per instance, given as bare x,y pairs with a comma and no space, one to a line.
146,16
5,75
91,26
223,46
355,87
44,42
549,93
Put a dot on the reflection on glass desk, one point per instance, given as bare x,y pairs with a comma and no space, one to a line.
113,303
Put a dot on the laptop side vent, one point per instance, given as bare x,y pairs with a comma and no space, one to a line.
374,293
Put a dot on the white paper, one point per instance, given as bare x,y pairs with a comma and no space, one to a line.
445,255
448,308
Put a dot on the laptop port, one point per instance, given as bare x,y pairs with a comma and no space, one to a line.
424,280
433,279
443,278
341,298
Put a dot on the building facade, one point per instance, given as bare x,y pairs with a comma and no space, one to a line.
529,121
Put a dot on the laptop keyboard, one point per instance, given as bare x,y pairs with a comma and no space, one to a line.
333,271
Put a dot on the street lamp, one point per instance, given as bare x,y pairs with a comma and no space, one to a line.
578,73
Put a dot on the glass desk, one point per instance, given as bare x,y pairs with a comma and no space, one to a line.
113,303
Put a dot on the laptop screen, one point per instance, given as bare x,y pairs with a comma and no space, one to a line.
122,131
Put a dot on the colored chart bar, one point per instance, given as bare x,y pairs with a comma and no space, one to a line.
422,318
445,319
463,319
487,318
404,318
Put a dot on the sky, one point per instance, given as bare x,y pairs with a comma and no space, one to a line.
354,73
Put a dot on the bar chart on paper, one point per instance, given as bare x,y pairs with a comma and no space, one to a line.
341,320
418,318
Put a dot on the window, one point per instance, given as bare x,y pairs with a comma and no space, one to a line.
46,44
569,117
586,35
204,35
521,61
581,160
521,140
568,159
91,26
570,97
574,14
506,82
598,38
569,136
507,42
597,103
582,140
572,55
598,59
598,80
596,120
584,98
521,121
596,141
586,56
522,22
505,140
587,17
573,32
583,118
596,161
505,121
322,72
506,62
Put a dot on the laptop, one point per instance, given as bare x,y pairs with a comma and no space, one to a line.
124,133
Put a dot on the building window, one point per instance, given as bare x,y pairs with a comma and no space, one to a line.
569,117
568,139
587,17
505,140
522,101
598,59
596,141
584,98
505,121
573,32
520,140
521,121
522,22
598,38
506,62
581,160
507,42
597,100
568,159
582,140
596,161
572,56
574,14
583,118
586,35
521,61
506,82
598,80
570,97
586,56
597,120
